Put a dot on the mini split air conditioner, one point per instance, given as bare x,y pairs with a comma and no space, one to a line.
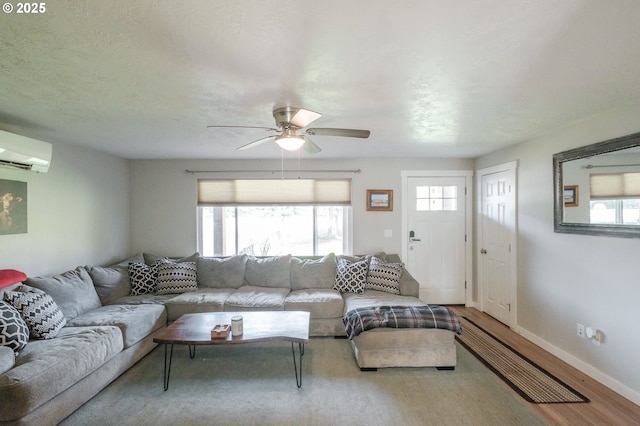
24,153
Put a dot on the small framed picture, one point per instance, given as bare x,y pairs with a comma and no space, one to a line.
380,200
570,196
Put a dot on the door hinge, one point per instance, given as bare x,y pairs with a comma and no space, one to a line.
465,238
509,248
465,284
509,306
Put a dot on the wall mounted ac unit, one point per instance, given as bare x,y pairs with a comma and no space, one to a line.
24,153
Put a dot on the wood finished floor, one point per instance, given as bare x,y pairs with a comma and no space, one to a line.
606,406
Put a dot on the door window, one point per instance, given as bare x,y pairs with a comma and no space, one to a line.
437,198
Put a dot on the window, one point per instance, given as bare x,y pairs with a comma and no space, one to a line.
620,211
615,198
437,198
272,217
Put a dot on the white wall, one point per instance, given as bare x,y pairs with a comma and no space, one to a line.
78,213
163,206
565,279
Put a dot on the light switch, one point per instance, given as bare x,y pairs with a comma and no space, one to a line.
388,233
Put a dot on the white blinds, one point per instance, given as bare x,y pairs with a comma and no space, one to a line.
274,191
615,186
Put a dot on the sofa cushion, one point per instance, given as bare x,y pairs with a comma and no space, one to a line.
351,277
175,278
42,315
73,291
110,282
227,272
384,276
124,264
14,332
143,278
272,271
308,273
320,303
7,359
377,298
45,368
134,321
201,300
252,298
152,259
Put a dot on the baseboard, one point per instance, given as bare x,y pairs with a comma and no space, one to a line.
577,363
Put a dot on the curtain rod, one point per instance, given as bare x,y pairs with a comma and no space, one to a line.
591,166
272,171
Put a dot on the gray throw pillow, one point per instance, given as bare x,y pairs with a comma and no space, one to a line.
273,271
307,273
72,291
221,272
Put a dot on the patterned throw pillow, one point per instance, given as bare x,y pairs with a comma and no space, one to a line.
384,276
176,278
38,310
14,332
143,278
351,277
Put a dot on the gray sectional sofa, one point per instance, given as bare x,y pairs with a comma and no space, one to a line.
110,325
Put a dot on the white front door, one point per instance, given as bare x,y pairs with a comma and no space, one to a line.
436,247
497,244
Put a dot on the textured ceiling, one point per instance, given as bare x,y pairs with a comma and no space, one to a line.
143,79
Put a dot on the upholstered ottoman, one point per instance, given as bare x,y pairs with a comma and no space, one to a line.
399,347
408,347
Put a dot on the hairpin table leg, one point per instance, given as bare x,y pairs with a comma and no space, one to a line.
295,365
167,368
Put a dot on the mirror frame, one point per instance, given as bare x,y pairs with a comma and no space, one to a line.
611,145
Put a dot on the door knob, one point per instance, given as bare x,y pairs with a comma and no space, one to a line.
483,251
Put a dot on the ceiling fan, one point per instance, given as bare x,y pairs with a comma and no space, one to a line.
292,120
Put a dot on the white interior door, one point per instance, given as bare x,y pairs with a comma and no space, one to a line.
497,244
436,222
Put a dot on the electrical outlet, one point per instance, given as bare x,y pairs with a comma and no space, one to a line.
580,331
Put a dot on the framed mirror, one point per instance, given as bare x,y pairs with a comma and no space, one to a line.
597,188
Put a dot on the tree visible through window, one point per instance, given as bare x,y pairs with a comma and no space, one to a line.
273,230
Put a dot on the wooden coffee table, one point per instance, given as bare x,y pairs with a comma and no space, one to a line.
195,329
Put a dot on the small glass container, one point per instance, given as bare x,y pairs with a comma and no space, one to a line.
236,325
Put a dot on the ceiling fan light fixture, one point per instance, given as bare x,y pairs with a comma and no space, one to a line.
290,142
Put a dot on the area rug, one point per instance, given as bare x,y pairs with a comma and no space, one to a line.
529,380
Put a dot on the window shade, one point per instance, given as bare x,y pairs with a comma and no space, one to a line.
274,191
615,186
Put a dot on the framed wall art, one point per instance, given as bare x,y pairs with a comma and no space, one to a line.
13,216
380,200
571,195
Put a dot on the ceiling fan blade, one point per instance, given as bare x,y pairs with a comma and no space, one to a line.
304,117
349,133
244,127
310,147
256,143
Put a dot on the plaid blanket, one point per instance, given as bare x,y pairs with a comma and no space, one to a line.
431,316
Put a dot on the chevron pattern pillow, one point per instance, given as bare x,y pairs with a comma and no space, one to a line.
384,276
174,278
351,277
14,332
143,278
38,310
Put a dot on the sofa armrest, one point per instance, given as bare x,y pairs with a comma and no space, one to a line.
409,286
